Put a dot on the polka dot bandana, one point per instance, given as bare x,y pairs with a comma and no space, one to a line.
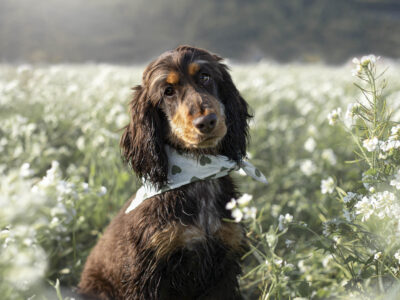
184,169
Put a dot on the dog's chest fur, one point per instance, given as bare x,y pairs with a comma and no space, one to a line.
207,195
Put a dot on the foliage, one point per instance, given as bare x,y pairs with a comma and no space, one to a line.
62,178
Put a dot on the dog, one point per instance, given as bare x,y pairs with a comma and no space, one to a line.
181,242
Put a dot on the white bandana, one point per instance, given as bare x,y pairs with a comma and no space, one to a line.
184,169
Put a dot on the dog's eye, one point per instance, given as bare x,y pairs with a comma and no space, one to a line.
169,91
205,78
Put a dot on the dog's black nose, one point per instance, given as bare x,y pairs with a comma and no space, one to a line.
206,123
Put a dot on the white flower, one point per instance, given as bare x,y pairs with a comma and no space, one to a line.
237,215
364,208
395,131
382,204
25,170
396,181
371,144
326,260
368,59
231,204
102,191
271,239
278,262
310,144
334,116
327,186
357,70
284,221
356,61
308,167
52,176
349,196
351,112
364,62
390,144
244,199
329,155
275,209
377,255
397,256
85,187
250,213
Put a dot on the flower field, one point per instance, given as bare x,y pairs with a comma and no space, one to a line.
326,227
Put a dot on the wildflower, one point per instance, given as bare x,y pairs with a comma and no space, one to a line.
334,116
368,59
25,170
271,239
357,70
396,181
237,215
52,175
365,60
377,255
244,199
395,131
308,167
80,143
329,156
310,144
103,191
231,204
382,204
351,112
250,213
284,221
397,256
326,260
278,262
371,144
275,209
390,144
349,197
364,208
327,186
85,187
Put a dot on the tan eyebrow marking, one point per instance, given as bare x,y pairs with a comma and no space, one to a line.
193,68
173,77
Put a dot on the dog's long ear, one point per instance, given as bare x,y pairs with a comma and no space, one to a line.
142,143
236,111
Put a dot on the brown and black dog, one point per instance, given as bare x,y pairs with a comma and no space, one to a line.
176,245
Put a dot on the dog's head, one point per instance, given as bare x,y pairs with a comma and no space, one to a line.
187,100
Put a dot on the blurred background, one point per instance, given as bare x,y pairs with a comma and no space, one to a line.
327,137
119,31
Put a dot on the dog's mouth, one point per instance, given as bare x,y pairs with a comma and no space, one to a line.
194,140
209,142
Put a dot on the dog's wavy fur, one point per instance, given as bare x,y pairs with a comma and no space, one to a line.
175,245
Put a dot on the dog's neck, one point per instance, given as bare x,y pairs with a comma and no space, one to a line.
207,195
